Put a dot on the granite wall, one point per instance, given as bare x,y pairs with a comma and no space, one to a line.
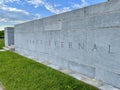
85,40
9,36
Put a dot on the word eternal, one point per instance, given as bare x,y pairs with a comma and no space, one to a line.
70,45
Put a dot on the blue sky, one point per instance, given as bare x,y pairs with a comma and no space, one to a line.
18,11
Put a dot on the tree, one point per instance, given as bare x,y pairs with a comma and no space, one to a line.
1,34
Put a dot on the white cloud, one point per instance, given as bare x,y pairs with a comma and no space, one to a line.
48,6
37,3
83,4
3,26
52,9
10,16
11,9
84,1
7,1
3,19
76,5
37,16
11,0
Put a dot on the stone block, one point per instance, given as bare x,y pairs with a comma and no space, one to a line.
9,36
108,77
83,69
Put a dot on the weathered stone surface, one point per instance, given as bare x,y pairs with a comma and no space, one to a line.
82,40
1,86
9,36
108,77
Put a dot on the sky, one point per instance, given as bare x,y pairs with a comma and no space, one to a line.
18,11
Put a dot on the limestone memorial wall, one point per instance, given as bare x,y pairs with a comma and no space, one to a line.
85,40
9,36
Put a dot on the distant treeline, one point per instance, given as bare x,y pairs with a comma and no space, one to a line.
1,34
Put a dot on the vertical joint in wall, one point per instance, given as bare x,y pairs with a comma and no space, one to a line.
85,11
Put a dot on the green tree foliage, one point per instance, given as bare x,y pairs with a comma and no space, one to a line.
1,34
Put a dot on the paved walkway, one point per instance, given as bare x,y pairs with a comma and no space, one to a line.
2,50
1,87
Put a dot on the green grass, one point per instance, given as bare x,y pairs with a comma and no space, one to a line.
1,43
20,73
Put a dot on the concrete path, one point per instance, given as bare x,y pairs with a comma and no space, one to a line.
2,50
1,87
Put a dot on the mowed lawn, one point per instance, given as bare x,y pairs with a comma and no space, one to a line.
1,43
20,73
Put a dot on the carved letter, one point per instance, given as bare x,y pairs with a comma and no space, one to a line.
81,46
70,44
94,47
109,51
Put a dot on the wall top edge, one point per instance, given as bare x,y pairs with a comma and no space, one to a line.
9,28
86,9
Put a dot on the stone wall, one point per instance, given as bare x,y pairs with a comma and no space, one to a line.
85,40
9,36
